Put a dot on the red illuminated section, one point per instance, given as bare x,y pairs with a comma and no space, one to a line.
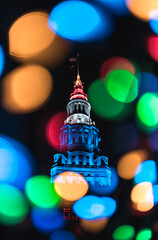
78,90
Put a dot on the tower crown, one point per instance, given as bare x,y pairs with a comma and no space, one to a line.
78,90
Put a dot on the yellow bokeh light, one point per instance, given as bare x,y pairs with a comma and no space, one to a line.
129,162
70,186
142,197
31,40
94,226
26,89
142,8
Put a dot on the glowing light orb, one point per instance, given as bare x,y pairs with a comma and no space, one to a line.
142,197
148,82
144,234
62,234
13,207
147,109
1,60
116,63
109,206
129,162
124,232
53,129
152,46
70,185
94,226
103,104
153,20
155,194
41,192
141,8
102,190
89,207
14,157
26,89
146,172
46,220
122,85
83,23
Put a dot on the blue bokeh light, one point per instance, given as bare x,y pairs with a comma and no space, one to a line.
63,234
155,194
1,60
118,7
46,220
148,82
79,21
146,172
16,162
89,207
102,189
153,20
109,205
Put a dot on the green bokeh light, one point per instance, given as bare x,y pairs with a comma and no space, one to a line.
147,109
122,85
125,232
13,205
41,192
104,105
144,234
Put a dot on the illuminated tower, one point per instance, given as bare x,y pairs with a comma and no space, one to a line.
79,140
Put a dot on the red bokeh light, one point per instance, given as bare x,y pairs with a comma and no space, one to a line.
116,63
153,47
53,129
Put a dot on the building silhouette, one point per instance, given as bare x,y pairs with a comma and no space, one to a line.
79,139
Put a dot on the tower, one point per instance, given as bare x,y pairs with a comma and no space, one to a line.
79,140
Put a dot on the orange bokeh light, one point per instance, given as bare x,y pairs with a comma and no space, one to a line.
70,186
129,162
94,226
142,8
31,40
142,197
26,89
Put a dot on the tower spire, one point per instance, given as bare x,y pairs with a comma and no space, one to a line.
78,80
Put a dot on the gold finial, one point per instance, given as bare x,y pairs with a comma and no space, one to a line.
78,80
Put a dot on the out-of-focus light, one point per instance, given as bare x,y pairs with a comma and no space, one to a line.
13,207
24,44
41,192
62,234
153,47
109,206
129,162
26,89
144,234
118,7
94,226
83,23
146,172
70,185
122,85
147,109
53,129
102,190
46,220
148,82
103,104
155,194
116,63
153,140
142,197
89,207
141,8
1,60
14,157
124,232
153,20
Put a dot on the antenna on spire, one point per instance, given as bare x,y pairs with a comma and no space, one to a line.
78,74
